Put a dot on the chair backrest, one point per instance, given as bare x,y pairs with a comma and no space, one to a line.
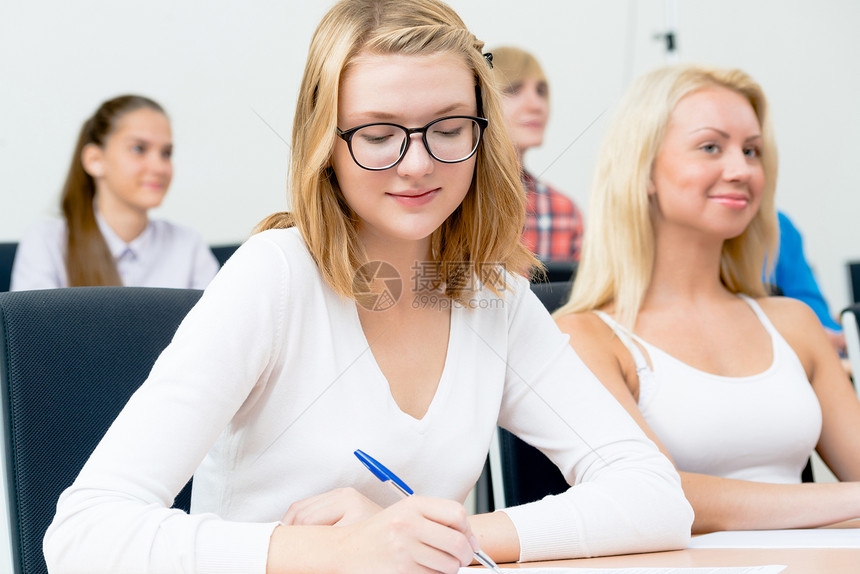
552,294
854,280
223,252
7,256
557,272
520,473
69,361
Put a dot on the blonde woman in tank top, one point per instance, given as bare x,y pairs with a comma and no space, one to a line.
670,312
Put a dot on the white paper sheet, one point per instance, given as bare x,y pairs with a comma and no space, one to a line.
770,569
811,538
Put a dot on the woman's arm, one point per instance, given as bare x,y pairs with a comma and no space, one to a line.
116,516
625,495
838,445
497,536
728,504
719,503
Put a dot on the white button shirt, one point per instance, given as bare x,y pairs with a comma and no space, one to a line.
164,255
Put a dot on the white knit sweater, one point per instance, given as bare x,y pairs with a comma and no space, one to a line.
269,386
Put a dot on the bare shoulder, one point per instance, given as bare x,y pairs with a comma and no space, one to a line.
584,326
788,315
607,357
590,337
800,327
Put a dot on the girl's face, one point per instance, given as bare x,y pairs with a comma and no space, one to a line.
409,201
526,108
708,174
133,169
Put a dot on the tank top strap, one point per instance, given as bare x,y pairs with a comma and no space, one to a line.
643,369
759,313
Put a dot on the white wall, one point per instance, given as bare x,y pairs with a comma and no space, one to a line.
228,74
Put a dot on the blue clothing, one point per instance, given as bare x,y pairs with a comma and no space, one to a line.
793,275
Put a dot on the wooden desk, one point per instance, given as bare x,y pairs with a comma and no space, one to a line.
796,560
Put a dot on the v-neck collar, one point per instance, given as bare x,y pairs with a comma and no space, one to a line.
442,387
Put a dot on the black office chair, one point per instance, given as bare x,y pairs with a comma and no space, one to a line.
223,252
854,280
7,256
520,473
553,294
69,361
556,272
849,319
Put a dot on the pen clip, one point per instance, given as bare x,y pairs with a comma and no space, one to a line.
382,473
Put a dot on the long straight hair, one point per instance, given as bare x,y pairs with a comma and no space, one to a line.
483,233
618,247
88,258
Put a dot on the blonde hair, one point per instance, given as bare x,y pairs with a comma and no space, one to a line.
618,247
512,66
483,232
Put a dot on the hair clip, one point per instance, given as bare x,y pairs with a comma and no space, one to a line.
488,56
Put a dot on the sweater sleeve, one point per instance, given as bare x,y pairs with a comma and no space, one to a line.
626,496
115,517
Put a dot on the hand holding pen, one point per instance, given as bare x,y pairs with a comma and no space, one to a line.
388,477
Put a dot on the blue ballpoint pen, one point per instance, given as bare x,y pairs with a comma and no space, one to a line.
382,473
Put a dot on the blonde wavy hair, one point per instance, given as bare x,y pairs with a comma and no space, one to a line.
483,232
618,246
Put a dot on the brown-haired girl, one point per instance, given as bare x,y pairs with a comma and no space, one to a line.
121,168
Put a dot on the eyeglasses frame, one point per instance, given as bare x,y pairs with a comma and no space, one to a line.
346,135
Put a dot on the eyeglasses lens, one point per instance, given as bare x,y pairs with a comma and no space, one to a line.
382,145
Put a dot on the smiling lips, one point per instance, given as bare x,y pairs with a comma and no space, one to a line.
733,200
415,198
533,124
157,185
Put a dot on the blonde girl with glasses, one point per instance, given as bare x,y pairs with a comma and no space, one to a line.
376,315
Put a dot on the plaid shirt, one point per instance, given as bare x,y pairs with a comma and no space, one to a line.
553,229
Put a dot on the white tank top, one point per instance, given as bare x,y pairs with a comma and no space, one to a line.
762,427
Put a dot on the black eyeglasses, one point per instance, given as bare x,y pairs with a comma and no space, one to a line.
380,146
